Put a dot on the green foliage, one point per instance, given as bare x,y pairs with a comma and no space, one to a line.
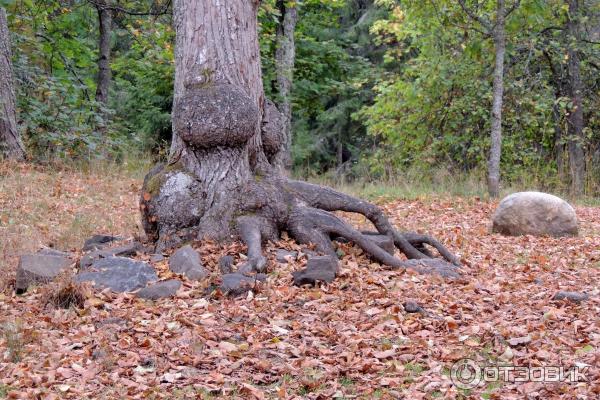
380,86
334,72
143,88
435,109
55,54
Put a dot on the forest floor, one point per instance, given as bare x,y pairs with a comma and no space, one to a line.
350,339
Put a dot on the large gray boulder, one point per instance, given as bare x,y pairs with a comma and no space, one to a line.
119,274
186,261
39,269
535,213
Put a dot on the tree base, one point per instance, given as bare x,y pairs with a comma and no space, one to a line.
172,209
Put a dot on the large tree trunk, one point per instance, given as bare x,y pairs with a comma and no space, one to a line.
10,140
285,57
222,180
104,29
497,94
576,138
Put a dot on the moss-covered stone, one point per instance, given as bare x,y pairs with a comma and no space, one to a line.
156,182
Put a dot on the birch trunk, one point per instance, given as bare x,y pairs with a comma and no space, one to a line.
497,96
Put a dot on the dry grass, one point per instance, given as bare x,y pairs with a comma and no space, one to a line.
64,292
61,206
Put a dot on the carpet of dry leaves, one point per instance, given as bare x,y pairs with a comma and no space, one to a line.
350,339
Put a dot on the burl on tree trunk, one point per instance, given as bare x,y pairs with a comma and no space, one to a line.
220,182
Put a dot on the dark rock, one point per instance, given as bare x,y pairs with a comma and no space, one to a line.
535,213
236,284
226,264
575,297
160,290
127,250
119,274
412,307
282,255
186,261
318,269
39,269
99,241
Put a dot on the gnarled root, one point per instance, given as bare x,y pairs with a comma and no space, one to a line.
311,225
411,244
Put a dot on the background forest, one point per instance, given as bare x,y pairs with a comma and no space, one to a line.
381,89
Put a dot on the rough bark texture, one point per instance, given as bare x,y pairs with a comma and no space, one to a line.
497,94
285,57
10,140
222,180
105,29
576,137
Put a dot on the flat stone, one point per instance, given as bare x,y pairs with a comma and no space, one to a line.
160,290
39,269
119,274
186,261
98,242
575,297
318,269
236,284
283,255
535,213
126,250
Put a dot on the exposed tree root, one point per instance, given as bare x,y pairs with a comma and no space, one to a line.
272,204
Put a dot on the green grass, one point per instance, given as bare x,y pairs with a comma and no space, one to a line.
412,184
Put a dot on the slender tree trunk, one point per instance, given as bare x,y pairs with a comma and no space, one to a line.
285,56
576,138
10,140
497,94
104,73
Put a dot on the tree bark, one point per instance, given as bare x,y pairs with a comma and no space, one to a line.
497,97
104,30
11,145
285,57
576,124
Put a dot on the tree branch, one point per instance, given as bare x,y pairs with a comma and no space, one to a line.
515,5
486,24
104,6
466,28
